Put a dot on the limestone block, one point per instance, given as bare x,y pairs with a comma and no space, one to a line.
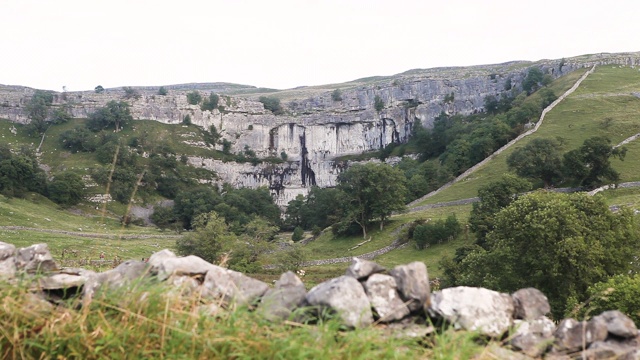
345,296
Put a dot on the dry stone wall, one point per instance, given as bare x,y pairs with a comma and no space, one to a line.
365,296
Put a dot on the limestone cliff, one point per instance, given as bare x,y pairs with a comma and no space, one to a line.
315,128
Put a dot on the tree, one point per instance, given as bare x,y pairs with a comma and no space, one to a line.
61,115
378,103
272,104
533,79
187,120
558,243
291,259
162,91
620,292
131,93
210,103
298,233
99,89
66,189
194,98
115,113
590,164
494,197
246,253
78,139
38,110
192,202
336,95
209,238
372,191
539,159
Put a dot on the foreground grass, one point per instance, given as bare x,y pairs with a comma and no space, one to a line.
154,322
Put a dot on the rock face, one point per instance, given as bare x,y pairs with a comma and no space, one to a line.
315,129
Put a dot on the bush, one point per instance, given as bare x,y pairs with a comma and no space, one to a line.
378,103
436,232
131,93
336,95
99,89
210,103
272,104
298,233
187,120
621,292
162,91
66,189
194,98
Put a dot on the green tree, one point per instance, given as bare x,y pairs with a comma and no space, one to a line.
539,159
66,189
494,197
38,110
20,173
372,191
272,104
61,115
378,103
131,93
210,237
99,89
336,95
247,252
187,120
298,233
162,91
78,139
194,98
114,114
192,202
590,164
210,103
620,292
558,243
533,79
291,259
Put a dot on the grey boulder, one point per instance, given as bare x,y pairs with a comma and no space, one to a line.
362,269
35,258
232,287
475,309
413,284
345,296
384,298
287,295
530,304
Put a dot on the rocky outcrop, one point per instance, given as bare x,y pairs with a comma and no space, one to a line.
315,129
214,290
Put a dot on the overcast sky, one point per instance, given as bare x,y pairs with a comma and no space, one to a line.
283,44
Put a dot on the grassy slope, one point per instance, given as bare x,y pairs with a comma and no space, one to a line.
604,94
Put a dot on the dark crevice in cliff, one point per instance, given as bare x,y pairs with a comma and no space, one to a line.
308,175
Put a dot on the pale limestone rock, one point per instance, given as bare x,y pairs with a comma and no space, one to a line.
345,296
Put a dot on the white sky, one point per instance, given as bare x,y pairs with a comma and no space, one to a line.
281,44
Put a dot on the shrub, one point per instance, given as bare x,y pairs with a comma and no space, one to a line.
210,103
621,292
162,91
284,156
272,104
436,232
378,103
336,95
131,93
194,98
99,89
187,120
297,234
